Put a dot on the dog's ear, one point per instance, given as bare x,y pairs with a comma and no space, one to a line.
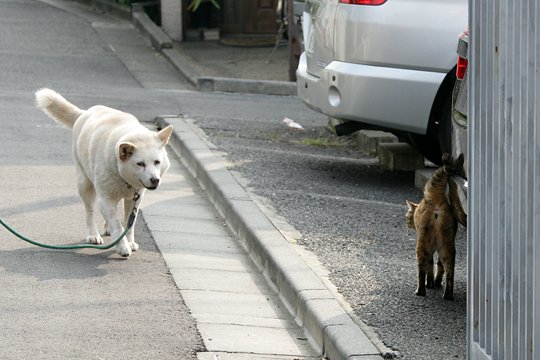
165,134
125,150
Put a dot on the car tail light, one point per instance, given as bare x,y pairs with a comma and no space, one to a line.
461,67
363,2
462,52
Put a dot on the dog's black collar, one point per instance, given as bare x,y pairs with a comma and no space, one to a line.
136,196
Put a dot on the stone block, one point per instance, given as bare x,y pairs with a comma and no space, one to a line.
369,140
400,156
211,34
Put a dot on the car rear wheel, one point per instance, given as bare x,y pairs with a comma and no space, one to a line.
438,139
443,128
428,146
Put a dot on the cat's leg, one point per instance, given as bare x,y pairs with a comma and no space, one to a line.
422,259
439,274
429,274
448,258
421,289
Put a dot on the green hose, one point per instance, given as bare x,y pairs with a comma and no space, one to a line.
129,225
131,220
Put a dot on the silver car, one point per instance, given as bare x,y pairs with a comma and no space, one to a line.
384,64
459,186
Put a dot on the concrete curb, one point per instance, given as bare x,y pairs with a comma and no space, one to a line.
270,87
184,64
143,23
329,328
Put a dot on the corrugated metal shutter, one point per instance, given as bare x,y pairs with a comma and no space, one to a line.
504,197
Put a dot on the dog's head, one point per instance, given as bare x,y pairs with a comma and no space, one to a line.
142,158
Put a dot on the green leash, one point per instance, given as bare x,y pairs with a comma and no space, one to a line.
129,225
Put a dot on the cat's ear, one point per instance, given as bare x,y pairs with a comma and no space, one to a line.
412,206
460,160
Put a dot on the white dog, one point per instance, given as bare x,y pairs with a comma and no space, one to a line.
115,158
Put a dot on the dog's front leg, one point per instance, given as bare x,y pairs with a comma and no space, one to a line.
109,210
128,209
88,195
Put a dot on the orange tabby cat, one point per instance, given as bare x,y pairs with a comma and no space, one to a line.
436,228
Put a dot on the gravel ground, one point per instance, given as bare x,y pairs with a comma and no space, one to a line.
350,213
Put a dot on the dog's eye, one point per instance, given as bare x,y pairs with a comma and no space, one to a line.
140,163
157,162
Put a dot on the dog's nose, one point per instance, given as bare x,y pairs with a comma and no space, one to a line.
154,181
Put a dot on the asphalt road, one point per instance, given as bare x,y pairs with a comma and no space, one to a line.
74,304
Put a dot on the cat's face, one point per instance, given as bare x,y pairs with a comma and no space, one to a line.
409,216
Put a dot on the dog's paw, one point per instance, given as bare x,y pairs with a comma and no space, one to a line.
123,249
94,239
134,246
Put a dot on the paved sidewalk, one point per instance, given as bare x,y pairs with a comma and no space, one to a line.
238,314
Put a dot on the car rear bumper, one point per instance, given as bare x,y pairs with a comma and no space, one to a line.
393,98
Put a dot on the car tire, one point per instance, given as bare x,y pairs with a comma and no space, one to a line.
438,139
444,126
428,146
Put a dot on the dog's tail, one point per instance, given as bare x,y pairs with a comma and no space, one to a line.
57,107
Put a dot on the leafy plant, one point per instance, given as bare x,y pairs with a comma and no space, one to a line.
194,4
